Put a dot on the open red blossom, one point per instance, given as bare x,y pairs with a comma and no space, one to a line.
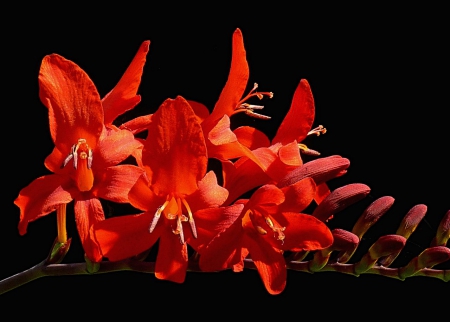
221,142
77,128
175,185
278,158
266,227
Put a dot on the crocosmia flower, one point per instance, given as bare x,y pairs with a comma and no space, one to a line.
174,186
84,160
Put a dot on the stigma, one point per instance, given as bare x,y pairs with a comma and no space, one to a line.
172,209
81,156
249,109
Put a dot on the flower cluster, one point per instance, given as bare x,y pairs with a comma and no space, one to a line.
268,204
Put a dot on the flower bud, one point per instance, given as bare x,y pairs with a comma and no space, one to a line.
384,246
443,232
321,170
340,199
427,259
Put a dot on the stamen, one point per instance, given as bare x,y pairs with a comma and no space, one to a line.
261,230
279,235
318,130
179,230
248,108
157,216
307,150
191,218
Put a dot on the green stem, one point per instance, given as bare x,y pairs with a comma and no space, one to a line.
42,269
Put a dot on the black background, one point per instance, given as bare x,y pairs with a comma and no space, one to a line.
380,89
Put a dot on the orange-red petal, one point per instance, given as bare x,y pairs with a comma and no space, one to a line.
117,181
87,213
175,150
123,96
300,117
172,258
41,197
75,110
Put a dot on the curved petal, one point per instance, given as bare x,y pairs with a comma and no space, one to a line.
251,137
41,197
200,110
270,264
209,193
266,199
75,110
117,181
172,258
299,195
235,86
141,196
303,232
138,124
123,96
87,213
175,150
300,117
125,236
113,149
224,250
210,222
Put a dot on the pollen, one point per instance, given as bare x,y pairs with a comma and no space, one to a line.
173,209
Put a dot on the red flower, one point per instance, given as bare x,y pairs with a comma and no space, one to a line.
77,128
175,185
221,142
268,226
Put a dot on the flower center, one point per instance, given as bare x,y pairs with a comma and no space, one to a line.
248,108
260,223
317,131
81,155
172,209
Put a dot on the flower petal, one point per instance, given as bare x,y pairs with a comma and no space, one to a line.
299,195
123,96
235,86
172,258
270,264
117,181
87,213
303,232
114,148
75,110
41,197
251,138
300,118
175,150
125,236
209,193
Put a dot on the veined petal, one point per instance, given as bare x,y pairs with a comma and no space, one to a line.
209,193
141,196
269,262
224,250
236,83
41,197
212,221
138,124
87,213
200,110
75,110
175,150
251,138
117,181
300,118
114,148
299,195
172,258
266,199
303,232
125,236
123,96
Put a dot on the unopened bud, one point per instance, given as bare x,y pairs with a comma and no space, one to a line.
371,215
340,199
384,246
427,259
443,232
